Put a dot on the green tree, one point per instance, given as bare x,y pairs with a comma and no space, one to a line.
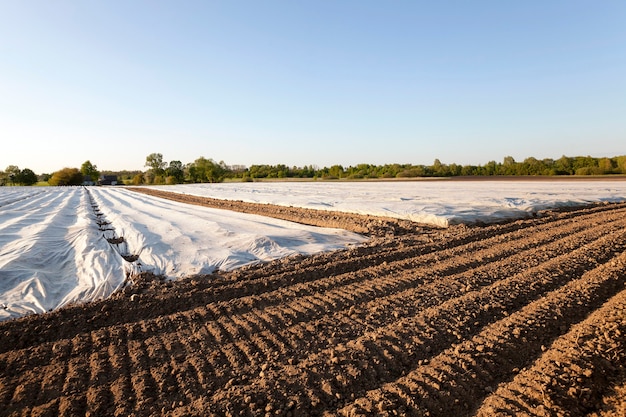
440,170
12,173
605,166
509,166
216,171
490,168
532,166
156,164
563,166
620,163
454,169
176,172
27,177
582,165
412,172
90,170
207,170
336,171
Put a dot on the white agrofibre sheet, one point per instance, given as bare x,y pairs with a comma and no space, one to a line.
177,239
51,252
63,245
437,202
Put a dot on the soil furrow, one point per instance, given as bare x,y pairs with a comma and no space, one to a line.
613,404
144,385
495,351
73,399
99,395
449,321
335,304
122,390
577,370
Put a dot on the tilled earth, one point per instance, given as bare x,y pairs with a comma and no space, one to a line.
521,318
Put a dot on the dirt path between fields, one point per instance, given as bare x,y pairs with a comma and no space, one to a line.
521,318
371,225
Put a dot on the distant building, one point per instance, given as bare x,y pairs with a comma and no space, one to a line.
88,181
107,180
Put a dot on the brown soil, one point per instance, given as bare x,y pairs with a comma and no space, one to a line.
521,318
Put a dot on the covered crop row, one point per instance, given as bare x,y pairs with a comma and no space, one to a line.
75,244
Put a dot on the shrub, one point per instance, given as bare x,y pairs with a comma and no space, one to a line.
137,179
66,176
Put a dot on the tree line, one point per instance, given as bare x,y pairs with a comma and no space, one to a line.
13,175
207,170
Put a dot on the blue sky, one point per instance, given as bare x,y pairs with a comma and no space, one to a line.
309,82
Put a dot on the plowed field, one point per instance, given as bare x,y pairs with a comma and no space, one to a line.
522,318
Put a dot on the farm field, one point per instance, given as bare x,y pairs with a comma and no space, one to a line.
526,317
439,202
62,245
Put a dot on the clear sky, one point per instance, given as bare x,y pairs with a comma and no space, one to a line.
317,82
